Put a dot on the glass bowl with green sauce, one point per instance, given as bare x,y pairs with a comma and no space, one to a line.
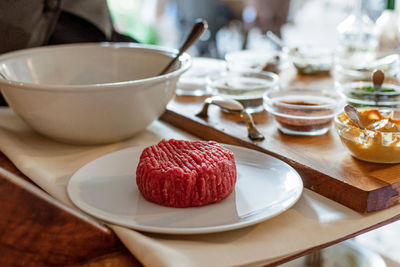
362,94
247,87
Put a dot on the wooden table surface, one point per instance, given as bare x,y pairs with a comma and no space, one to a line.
37,230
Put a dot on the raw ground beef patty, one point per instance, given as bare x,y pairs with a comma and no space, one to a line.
182,174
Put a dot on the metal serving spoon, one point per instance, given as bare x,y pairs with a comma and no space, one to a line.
353,114
377,80
275,39
234,106
198,28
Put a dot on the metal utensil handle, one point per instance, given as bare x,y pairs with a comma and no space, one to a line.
253,132
353,114
377,80
225,103
232,105
198,28
3,76
275,39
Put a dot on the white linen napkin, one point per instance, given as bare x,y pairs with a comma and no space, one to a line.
314,220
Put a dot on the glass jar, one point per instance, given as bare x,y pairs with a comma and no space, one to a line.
358,40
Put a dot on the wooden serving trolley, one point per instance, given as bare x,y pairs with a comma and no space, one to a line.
37,230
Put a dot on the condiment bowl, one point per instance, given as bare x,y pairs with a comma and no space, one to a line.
311,59
254,60
362,94
362,71
303,111
194,81
379,142
247,87
90,93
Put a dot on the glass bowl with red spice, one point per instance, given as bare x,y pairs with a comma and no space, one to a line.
304,111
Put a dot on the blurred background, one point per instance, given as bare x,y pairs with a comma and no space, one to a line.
236,24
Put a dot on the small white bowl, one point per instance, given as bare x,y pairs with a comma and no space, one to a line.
90,93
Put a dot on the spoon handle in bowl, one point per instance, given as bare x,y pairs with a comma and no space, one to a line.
198,28
353,114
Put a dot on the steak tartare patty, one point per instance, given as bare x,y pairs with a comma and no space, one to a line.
180,174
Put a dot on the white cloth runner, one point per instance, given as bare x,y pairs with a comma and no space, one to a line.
313,220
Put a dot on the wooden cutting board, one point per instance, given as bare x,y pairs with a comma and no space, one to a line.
324,164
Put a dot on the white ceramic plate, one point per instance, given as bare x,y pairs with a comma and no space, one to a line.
106,189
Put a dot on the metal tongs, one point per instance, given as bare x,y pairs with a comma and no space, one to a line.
233,106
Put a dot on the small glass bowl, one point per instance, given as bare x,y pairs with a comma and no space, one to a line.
303,111
370,145
390,65
311,60
245,86
253,60
194,81
362,94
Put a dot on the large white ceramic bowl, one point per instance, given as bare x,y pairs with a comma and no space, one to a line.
90,93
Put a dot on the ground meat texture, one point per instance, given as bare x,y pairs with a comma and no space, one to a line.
180,174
